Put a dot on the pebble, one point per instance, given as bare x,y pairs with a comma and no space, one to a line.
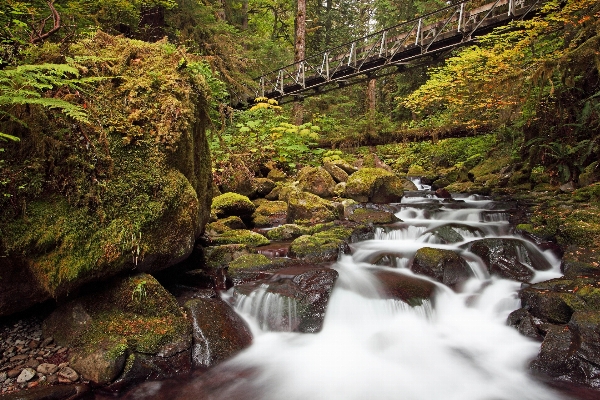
26,375
28,359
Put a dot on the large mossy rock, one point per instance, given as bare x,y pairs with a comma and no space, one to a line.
287,232
308,207
316,181
337,173
218,331
139,182
374,185
510,258
370,213
410,289
240,236
445,266
107,330
269,213
230,204
293,299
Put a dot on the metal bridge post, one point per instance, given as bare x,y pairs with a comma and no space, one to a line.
419,31
460,16
383,47
327,66
262,86
302,75
511,7
280,82
352,56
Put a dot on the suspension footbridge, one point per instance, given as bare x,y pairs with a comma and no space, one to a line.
391,50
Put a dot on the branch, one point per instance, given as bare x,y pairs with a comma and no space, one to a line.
38,36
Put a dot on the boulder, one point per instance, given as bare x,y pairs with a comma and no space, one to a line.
225,224
218,331
220,256
445,266
307,207
347,168
269,213
239,236
293,299
287,232
316,181
229,204
407,184
322,246
370,213
411,290
454,233
509,258
374,185
263,186
276,175
130,317
337,173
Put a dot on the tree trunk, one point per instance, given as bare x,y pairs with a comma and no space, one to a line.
371,106
300,52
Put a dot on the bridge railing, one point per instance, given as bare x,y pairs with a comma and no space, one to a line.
392,46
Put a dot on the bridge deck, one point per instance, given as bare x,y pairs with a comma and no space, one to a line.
432,34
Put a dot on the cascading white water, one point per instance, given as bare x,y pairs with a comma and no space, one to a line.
376,348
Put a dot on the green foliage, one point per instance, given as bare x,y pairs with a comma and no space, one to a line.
28,84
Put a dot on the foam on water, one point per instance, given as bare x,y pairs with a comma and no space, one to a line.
374,348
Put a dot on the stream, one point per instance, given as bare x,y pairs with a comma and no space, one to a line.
456,346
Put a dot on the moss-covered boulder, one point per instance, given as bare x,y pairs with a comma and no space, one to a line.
445,266
590,174
276,175
370,214
374,185
337,173
129,317
103,197
269,213
218,331
240,236
345,166
322,246
225,224
229,204
220,256
316,181
308,207
287,232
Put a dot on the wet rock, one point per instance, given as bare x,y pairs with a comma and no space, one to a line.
509,258
239,236
443,193
322,246
221,256
445,266
337,173
316,181
455,233
304,207
526,324
409,289
374,185
218,331
225,224
26,375
371,213
293,299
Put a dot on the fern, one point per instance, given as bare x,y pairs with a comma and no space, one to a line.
27,84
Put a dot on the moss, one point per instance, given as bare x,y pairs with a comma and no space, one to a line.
365,215
269,213
225,224
310,207
130,189
374,184
589,193
241,236
221,256
286,232
322,246
249,261
232,204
